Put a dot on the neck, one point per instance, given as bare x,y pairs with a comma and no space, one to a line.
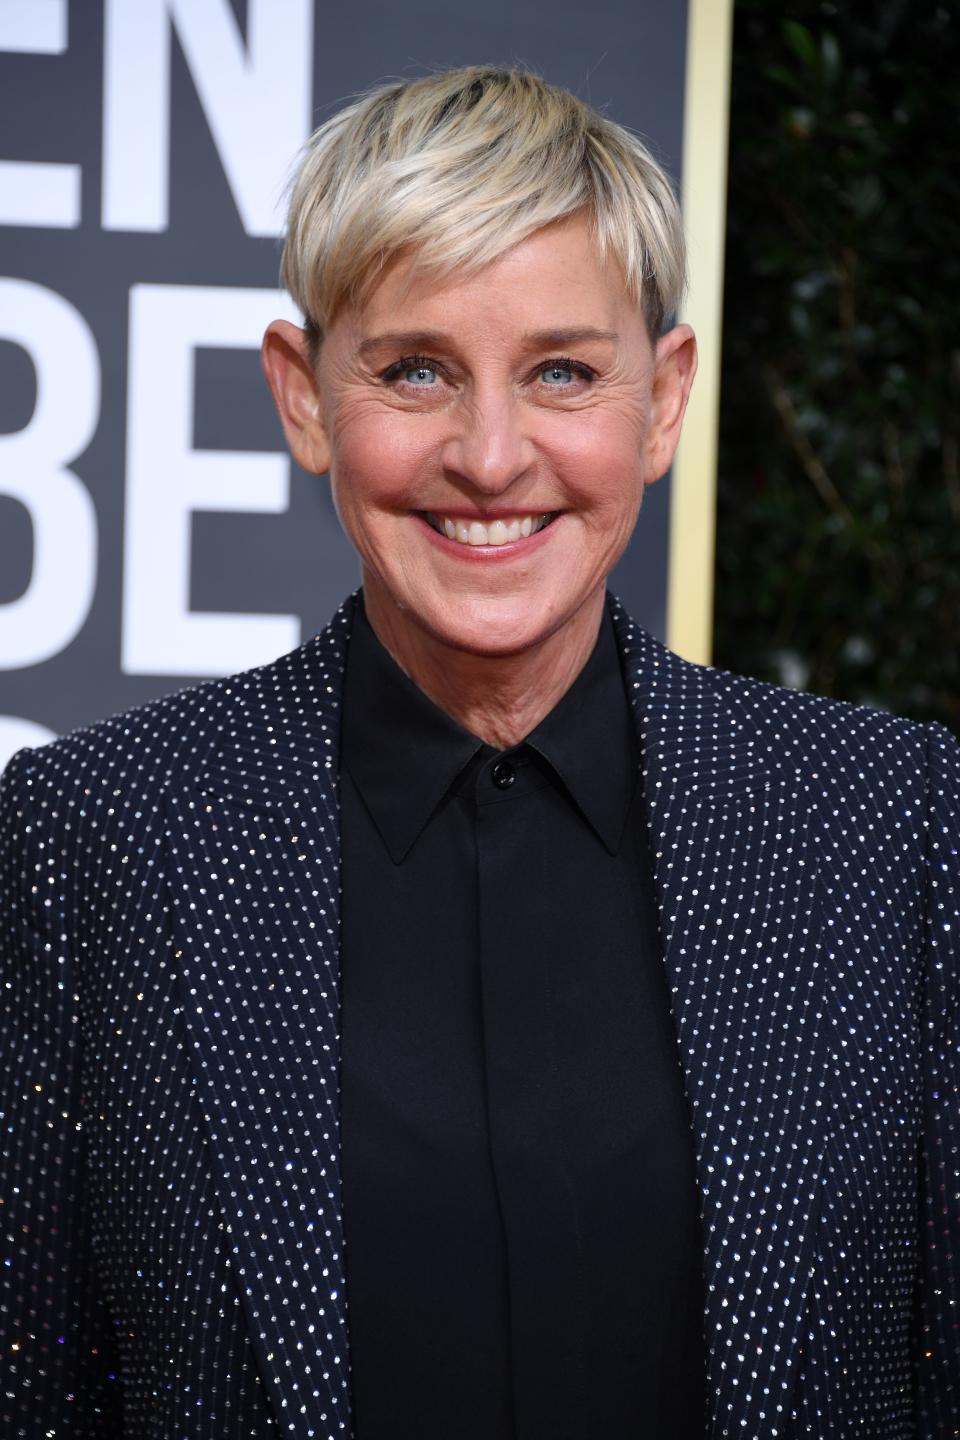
498,698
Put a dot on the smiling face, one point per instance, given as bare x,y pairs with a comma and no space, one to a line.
454,416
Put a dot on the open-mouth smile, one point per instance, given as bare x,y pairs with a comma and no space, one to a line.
504,530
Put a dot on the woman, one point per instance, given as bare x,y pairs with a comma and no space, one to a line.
587,1019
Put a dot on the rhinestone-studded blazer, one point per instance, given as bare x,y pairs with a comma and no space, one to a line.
172,1239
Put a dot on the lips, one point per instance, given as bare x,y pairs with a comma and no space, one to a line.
504,530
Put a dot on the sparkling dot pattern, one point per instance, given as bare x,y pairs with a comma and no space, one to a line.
170,1192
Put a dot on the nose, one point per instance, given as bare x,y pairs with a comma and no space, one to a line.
489,447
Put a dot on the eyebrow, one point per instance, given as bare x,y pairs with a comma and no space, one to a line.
535,339
571,335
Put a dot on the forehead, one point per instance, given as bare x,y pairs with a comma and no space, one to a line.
555,278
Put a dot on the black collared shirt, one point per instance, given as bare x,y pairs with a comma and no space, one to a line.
523,1245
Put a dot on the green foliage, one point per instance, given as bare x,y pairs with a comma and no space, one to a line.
838,548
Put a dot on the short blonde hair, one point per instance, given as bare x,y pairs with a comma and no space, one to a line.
458,166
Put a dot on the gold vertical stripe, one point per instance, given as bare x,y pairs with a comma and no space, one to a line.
694,477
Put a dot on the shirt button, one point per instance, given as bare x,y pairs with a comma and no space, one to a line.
503,774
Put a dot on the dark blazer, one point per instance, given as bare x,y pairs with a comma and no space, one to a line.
173,1252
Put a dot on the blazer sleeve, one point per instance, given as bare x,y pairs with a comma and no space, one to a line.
58,1372
937,1352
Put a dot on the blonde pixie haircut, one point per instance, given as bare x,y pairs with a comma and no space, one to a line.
458,166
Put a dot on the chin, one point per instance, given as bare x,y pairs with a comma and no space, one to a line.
496,629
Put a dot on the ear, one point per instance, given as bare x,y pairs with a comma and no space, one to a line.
286,364
675,364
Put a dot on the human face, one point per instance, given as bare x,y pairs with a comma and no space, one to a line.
527,389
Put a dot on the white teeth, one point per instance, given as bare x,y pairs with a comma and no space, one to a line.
498,532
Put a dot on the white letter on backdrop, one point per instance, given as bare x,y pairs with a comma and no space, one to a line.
35,192
256,97
33,470
167,480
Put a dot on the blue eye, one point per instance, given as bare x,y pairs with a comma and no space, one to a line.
557,375
419,375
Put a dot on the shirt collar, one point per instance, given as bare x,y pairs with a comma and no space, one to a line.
590,739
404,753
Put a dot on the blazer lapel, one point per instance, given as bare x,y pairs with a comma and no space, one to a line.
254,865
736,863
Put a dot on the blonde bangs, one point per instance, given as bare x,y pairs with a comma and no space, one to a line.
458,167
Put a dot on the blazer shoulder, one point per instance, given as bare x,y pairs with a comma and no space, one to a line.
686,693
95,793
817,714
139,748
872,756
167,740
799,729
881,762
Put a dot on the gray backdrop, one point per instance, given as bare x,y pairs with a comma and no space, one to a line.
152,529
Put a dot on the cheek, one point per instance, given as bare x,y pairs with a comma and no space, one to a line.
378,458
601,463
